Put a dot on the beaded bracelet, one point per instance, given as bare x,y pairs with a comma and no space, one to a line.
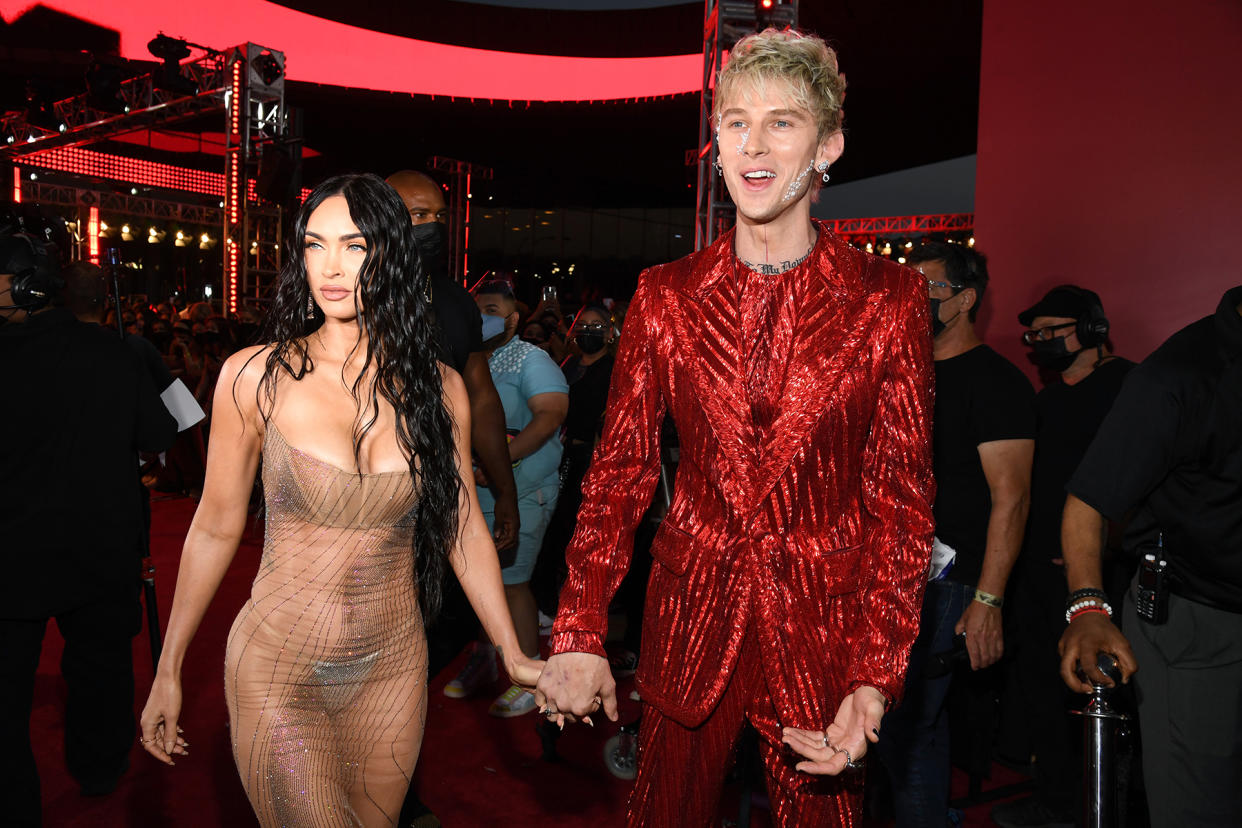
1085,610
989,599
1087,602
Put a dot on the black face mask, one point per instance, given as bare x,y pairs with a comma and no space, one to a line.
936,324
590,342
1053,355
430,237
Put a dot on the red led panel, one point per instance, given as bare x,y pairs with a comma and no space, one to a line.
465,250
92,164
17,185
234,267
92,236
324,51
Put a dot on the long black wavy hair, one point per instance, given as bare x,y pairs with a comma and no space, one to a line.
400,363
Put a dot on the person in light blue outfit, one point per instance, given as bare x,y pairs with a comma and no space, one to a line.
535,398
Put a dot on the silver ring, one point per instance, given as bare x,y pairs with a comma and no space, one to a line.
824,736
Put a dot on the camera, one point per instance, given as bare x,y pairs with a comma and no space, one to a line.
549,293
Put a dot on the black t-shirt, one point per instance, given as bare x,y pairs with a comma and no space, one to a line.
588,396
980,397
458,322
1067,417
1171,450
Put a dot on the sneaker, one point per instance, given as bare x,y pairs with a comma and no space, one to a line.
1030,812
479,671
513,702
624,664
545,624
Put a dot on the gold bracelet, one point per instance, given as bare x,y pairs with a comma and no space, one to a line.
989,599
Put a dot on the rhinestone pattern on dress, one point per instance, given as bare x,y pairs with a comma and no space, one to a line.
325,671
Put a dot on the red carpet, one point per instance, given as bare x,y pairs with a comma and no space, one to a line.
474,770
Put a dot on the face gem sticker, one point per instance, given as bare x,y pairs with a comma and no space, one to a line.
796,185
741,147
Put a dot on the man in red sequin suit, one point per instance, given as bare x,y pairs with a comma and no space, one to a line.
790,568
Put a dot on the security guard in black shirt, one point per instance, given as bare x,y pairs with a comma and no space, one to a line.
1170,454
78,406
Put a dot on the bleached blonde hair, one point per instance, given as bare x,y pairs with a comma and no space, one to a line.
802,61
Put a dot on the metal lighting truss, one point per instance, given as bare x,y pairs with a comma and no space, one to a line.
80,123
246,84
903,225
462,174
725,22
143,206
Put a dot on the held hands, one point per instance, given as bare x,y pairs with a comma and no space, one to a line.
844,744
574,686
1087,636
160,735
985,642
523,670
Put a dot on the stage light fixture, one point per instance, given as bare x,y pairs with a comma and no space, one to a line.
103,88
168,77
268,66
40,113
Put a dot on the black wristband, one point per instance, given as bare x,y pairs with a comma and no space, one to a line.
1090,592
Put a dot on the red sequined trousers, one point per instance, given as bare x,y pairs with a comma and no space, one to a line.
682,769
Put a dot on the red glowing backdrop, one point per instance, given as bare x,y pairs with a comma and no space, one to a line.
1108,157
324,51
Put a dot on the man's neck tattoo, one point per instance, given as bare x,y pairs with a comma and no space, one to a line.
766,269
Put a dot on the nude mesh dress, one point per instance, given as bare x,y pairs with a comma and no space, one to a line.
325,671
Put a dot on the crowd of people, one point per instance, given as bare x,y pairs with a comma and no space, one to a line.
873,508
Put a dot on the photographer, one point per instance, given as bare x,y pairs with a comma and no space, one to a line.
79,408
1169,456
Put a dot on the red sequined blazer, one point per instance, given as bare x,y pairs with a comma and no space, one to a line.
817,533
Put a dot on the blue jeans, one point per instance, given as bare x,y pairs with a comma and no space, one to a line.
914,740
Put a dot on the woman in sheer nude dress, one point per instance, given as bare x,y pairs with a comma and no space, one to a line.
362,433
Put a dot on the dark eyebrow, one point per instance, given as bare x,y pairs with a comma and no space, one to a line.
315,235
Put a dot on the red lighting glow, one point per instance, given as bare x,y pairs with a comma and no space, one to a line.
92,236
17,185
233,267
767,4
234,192
465,248
91,164
324,51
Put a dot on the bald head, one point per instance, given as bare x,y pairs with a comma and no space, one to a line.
422,196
